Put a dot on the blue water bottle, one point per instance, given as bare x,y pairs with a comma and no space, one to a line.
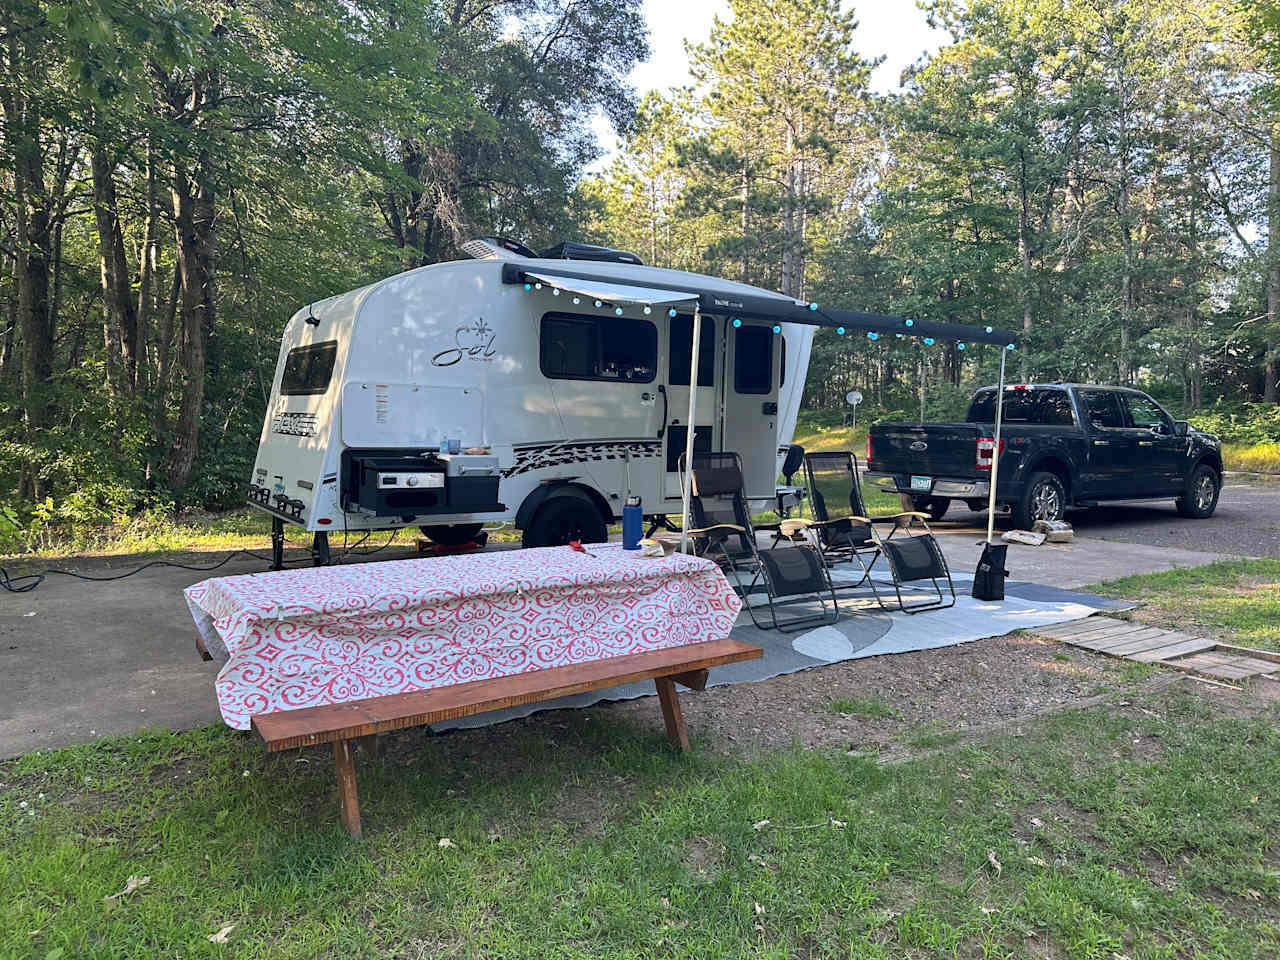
632,523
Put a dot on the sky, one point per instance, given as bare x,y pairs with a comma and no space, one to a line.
894,29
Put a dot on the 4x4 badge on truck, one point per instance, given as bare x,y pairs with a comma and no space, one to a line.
919,445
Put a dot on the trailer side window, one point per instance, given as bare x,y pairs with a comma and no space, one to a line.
573,347
307,370
753,359
680,354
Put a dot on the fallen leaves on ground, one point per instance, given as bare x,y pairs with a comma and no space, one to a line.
130,885
991,859
221,935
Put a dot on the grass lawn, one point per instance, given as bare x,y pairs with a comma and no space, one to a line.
1142,830
1236,601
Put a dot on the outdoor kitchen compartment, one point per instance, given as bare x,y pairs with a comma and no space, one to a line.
398,485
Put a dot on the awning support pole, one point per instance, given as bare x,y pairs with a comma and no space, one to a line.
995,454
686,479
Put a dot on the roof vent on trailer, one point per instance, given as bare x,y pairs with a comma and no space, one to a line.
497,248
572,250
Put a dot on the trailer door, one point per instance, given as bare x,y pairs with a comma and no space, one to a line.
750,422
679,356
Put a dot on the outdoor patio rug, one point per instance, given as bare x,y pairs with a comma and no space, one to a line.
863,630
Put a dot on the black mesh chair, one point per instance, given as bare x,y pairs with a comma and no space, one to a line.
722,531
845,532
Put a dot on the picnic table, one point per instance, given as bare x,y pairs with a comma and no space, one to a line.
332,654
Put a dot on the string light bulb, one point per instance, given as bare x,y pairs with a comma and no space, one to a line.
528,286
776,328
737,322
555,291
671,312
812,305
617,311
911,323
599,304
928,341
959,346
648,310
577,300
840,331
872,335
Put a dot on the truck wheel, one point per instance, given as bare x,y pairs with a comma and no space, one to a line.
1043,498
935,507
454,535
1200,493
562,519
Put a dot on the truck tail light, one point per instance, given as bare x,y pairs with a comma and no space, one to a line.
868,449
986,446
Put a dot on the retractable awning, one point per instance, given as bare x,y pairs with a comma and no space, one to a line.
765,306
610,292
761,306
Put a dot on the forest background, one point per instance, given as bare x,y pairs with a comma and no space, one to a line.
177,177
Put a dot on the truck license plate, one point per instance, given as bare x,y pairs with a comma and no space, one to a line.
922,483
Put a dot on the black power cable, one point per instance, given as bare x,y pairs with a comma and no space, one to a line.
25,583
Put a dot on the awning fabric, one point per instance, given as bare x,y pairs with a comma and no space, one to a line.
611,292
762,306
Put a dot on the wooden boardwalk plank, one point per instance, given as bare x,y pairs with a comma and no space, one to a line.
1143,641
1112,639
1184,647
1079,628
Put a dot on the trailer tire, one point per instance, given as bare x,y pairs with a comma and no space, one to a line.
452,535
561,519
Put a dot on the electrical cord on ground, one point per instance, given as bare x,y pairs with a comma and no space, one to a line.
25,583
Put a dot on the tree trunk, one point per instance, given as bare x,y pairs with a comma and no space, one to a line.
1024,258
117,295
1270,372
193,211
146,272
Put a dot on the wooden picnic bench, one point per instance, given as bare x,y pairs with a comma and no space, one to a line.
340,724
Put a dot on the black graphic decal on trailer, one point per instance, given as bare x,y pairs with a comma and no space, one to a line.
537,456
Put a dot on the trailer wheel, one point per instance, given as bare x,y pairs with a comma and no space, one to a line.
561,519
453,535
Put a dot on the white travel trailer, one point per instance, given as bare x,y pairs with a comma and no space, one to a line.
532,390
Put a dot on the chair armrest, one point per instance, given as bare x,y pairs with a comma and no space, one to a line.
719,526
914,514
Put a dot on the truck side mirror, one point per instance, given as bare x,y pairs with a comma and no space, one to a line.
1180,428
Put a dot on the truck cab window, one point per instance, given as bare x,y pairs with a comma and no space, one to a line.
1144,412
307,370
753,359
572,347
1044,407
680,354
1103,408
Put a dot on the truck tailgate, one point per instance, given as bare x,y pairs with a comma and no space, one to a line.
929,449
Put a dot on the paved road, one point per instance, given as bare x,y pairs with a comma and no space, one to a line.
1246,523
81,660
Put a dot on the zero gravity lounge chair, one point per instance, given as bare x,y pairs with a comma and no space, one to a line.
845,532
794,577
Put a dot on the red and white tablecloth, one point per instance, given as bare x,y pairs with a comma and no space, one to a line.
298,638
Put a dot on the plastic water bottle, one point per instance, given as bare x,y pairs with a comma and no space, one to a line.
632,524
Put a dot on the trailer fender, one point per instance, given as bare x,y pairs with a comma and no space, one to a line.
560,488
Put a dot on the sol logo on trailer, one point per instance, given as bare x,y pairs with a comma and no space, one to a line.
474,340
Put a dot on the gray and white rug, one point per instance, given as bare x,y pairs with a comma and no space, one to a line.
863,630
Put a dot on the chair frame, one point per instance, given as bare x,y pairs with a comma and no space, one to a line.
832,554
711,541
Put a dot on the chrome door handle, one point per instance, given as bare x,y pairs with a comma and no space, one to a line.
1146,443
1102,443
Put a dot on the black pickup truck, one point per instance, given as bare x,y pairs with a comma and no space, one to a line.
1063,445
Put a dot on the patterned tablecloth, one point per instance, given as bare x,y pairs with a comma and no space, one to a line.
298,638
